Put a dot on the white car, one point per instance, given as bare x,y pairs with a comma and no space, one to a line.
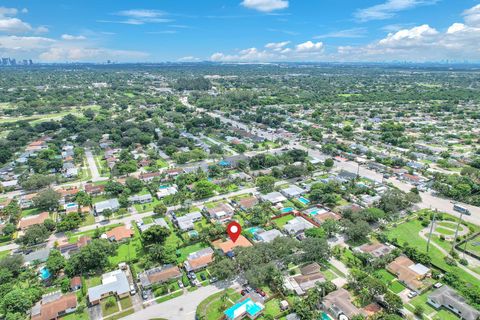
412,294
132,290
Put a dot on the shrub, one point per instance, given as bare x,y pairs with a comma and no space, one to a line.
463,262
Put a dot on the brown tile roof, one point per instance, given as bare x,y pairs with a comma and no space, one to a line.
51,310
91,188
164,275
201,261
27,222
248,203
75,282
68,192
227,246
119,233
400,267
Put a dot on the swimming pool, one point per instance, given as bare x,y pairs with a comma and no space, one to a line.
313,212
71,205
45,273
325,316
287,210
244,307
303,200
254,230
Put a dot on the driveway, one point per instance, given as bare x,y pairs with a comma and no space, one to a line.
95,312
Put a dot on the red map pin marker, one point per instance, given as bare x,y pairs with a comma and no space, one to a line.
234,230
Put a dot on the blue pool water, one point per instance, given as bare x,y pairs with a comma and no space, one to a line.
325,316
287,210
245,306
163,187
303,200
313,212
45,274
254,230
71,205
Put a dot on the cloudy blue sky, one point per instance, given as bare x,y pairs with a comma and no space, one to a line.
240,30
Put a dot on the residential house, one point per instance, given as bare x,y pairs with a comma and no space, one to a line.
199,259
292,191
94,190
273,197
409,272
308,278
118,234
268,236
376,250
66,247
27,222
54,306
113,283
448,298
149,176
26,201
222,212
297,226
338,303
187,221
228,245
140,199
247,202
159,275
157,222
40,255
111,204
76,283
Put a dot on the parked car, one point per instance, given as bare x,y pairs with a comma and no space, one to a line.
243,292
412,294
180,284
260,292
133,291
144,295
202,276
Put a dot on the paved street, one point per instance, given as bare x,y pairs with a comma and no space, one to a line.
92,165
180,308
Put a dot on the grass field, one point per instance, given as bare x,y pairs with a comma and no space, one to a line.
108,311
280,222
408,233
474,245
184,252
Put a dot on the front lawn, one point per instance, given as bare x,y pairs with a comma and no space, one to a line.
108,310
272,307
212,308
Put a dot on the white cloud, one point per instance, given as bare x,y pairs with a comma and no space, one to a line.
472,15
276,45
14,25
41,29
265,5
347,33
389,8
274,51
16,43
70,37
189,59
61,53
421,35
8,11
139,17
309,46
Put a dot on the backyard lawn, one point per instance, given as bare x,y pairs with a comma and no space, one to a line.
280,222
185,251
272,307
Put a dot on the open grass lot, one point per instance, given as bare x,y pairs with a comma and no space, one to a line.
212,308
474,245
30,212
93,281
445,231
390,281
126,303
146,207
272,307
280,222
408,233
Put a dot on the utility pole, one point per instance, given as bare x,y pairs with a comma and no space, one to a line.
431,229
456,231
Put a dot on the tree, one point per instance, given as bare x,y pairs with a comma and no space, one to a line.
70,221
155,234
107,213
315,233
160,209
36,234
419,311
265,183
204,189
314,250
9,229
47,200
92,257
16,300
393,302
83,198
113,187
55,262
37,181
49,224
331,227
223,268
357,231
328,163
135,185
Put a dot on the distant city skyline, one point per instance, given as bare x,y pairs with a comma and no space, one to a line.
241,31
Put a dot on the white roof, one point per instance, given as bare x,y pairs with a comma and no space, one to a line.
273,197
419,269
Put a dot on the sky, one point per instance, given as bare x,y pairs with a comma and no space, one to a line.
240,30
